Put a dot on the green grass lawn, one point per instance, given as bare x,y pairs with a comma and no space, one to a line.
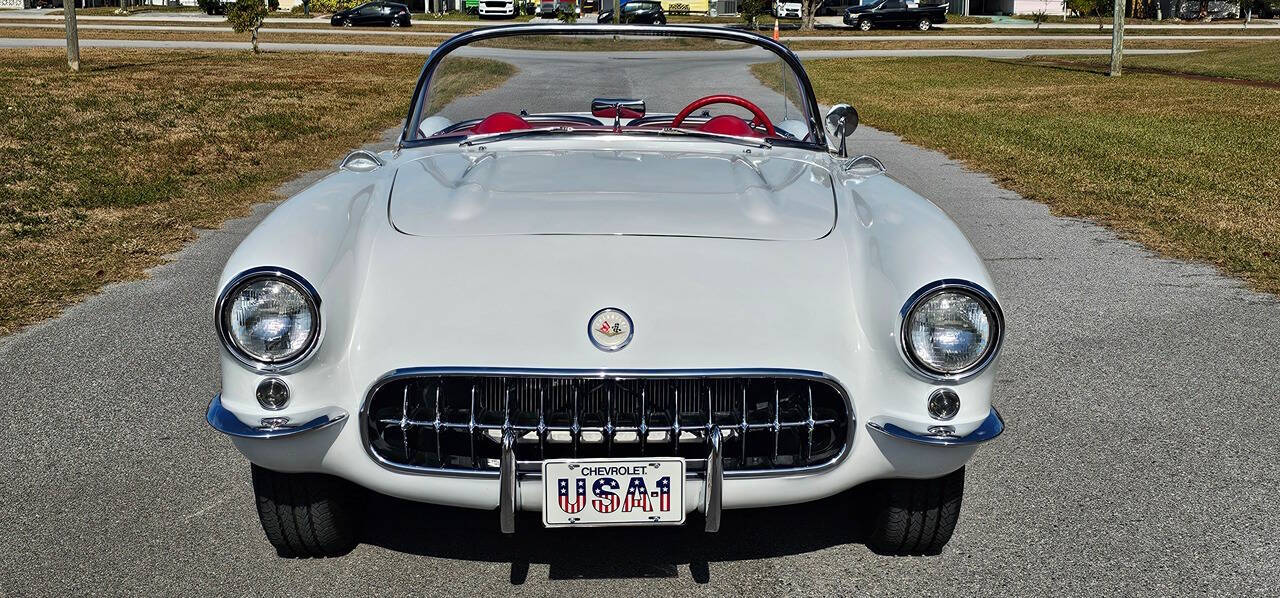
1190,168
108,170
1259,62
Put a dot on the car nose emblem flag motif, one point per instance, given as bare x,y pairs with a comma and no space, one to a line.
610,329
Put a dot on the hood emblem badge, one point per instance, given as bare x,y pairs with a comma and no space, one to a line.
610,329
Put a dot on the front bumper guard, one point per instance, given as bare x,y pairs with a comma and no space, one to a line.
223,420
226,422
990,427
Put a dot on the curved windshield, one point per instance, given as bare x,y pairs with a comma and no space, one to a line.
543,80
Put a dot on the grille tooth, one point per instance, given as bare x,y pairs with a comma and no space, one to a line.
455,422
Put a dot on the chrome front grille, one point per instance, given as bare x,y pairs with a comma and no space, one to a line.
454,421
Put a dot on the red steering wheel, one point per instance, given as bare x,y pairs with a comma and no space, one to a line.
759,120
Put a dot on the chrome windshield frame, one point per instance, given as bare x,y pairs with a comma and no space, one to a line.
809,104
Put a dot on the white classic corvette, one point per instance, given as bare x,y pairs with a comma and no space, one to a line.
615,276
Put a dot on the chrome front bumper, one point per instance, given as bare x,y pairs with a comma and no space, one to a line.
990,427
226,422
511,470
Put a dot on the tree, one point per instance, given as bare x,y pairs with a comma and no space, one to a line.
73,35
750,10
1117,37
808,11
568,13
247,15
1039,17
1084,7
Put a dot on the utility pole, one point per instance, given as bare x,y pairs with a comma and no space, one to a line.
1117,37
73,35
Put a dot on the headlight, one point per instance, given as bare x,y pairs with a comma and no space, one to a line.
269,319
951,329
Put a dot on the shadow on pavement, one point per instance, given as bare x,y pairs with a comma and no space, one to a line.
609,553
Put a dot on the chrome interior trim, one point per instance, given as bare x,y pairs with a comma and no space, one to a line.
226,422
250,275
713,491
991,427
808,103
937,286
604,373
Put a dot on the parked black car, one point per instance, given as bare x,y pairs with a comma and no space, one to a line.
217,8
373,13
895,13
645,12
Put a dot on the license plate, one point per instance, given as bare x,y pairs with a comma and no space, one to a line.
597,492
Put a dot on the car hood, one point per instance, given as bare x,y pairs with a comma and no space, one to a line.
600,192
858,9
527,301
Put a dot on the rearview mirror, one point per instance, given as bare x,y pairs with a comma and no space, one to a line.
842,120
617,108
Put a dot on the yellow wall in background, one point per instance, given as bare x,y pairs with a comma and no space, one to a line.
694,5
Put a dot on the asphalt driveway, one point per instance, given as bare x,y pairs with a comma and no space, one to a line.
1138,458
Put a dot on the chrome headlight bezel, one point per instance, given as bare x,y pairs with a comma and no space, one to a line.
289,277
995,321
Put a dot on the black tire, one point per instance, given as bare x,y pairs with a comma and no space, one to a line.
307,514
864,24
924,25
913,517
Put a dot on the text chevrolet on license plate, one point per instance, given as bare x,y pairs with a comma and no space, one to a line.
582,492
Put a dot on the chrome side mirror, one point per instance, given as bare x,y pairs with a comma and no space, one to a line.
842,121
361,161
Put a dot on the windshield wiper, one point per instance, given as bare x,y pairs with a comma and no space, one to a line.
751,141
503,136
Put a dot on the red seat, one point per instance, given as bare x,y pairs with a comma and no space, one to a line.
728,124
501,122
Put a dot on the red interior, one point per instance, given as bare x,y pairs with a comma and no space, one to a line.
502,122
728,124
724,124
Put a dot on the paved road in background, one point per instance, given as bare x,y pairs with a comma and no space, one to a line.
1137,461
812,38
9,42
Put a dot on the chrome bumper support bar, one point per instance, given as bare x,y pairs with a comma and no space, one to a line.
226,422
713,493
988,430
507,483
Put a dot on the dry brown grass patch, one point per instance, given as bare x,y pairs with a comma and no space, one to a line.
111,169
